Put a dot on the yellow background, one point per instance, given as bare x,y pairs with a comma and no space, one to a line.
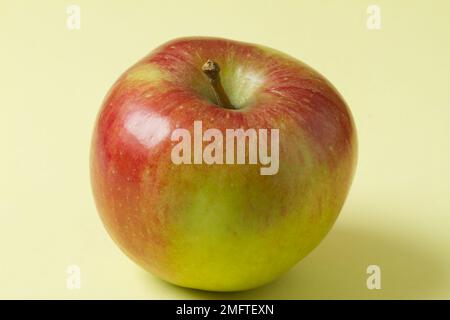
396,81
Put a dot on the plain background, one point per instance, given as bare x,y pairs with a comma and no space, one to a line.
395,80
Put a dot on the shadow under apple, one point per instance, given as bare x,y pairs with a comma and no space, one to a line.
336,269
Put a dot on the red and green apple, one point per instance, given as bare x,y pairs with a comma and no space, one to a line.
220,227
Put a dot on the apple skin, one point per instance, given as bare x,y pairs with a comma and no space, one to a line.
220,227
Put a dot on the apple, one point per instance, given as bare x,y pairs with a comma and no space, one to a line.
220,227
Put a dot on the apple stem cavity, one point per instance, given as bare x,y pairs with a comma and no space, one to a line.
212,71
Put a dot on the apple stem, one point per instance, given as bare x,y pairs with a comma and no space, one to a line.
212,70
